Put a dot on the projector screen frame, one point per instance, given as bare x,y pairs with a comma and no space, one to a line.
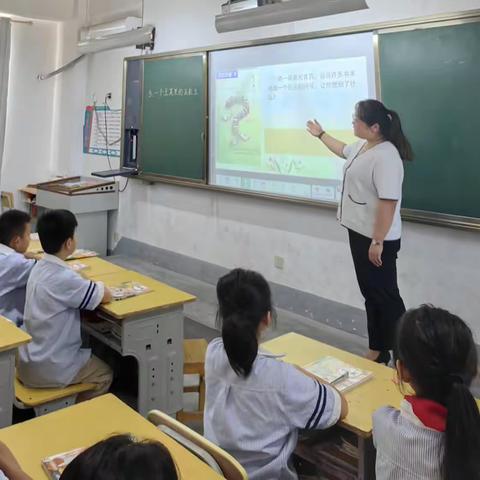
420,216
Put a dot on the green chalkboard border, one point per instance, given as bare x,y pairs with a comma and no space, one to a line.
204,55
420,216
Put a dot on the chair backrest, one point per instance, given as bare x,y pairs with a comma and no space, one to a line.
230,468
195,449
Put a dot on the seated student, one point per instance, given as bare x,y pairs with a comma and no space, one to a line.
55,296
15,268
123,458
255,404
436,433
9,467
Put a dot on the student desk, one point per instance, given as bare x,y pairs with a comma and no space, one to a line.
11,337
362,400
97,267
35,247
148,327
83,425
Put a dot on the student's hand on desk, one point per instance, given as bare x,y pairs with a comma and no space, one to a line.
10,466
107,296
375,254
20,475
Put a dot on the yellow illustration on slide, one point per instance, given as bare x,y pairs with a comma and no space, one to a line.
239,141
239,108
261,115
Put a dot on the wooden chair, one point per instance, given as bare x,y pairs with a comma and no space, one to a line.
194,363
46,400
207,451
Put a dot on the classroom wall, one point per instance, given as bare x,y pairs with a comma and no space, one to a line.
183,24
106,10
30,106
44,9
436,265
85,83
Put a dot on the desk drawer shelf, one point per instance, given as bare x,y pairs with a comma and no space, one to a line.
330,455
108,338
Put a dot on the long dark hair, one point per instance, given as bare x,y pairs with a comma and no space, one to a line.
372,112
438,350
121,457
244,299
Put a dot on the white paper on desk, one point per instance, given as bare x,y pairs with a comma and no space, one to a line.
82,253
78,267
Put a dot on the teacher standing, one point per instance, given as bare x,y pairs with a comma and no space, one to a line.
370,209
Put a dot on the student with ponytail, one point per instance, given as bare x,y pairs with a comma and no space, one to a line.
370,209
255,403
436,433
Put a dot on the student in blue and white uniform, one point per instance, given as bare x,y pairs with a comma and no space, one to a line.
55,296
255,404
436,433
15,267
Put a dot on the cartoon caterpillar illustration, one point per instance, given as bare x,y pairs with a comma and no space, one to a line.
236,115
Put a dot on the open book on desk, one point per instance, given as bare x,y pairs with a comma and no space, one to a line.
341,375
127,290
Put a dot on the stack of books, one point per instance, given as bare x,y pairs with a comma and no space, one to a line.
341,375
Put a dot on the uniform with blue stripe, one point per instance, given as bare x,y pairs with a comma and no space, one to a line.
256,419
55,296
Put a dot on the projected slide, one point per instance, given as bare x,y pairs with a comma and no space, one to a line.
258,139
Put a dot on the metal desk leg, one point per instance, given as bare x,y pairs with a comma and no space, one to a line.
367,455
156,341
7,377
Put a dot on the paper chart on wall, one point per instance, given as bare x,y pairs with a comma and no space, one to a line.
102,131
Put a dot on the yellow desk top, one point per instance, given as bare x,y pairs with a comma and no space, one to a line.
84,424
35,247
97,267
11,336
362,400
161,295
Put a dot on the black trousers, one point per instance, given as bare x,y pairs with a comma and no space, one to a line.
379,287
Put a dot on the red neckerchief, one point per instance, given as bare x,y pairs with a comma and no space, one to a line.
432,414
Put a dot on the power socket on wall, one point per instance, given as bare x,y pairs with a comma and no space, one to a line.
279,262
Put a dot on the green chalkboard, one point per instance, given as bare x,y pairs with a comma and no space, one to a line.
172,133
431,76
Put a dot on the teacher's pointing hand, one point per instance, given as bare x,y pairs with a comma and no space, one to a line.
314,128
